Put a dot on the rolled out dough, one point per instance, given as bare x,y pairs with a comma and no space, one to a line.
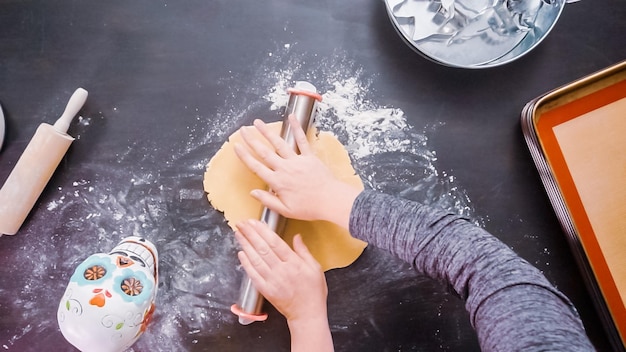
228,183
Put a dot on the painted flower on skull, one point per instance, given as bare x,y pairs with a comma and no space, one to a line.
134,285
93,270
109,299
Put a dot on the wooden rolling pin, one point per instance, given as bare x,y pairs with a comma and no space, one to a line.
36,166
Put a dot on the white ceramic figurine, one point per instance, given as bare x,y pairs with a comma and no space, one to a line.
110,297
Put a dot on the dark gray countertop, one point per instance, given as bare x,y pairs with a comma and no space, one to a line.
169,81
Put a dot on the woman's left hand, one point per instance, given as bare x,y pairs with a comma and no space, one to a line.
292,280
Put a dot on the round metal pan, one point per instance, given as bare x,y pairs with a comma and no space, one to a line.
473,33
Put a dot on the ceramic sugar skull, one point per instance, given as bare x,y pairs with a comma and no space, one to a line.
110,297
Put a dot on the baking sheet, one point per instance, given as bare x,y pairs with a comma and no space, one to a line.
598,168
577,137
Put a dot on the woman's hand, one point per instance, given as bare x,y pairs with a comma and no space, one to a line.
302,187
292,280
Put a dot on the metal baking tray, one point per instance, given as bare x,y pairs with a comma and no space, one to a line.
576,135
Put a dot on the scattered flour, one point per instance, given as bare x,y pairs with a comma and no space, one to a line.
388,153
163,200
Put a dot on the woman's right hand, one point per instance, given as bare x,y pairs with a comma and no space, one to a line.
302,187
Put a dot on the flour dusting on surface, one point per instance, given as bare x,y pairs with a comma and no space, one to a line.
134,193
389,154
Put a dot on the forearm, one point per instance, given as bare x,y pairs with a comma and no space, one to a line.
441,245
484,272
529,318
311,335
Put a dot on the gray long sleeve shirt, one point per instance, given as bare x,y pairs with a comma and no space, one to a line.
511,304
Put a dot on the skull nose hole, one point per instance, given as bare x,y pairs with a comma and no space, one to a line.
123,260
94,273
131,286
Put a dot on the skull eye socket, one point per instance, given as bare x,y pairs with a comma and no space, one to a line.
94,273
131,286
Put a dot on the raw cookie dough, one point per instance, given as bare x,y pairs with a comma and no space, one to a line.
228,183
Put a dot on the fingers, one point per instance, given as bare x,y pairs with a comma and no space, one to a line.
263,250
262,245
253,274
268,157
257,167
270,200
264,255
257,251
303,251
281,148
279,144
299,136
251,260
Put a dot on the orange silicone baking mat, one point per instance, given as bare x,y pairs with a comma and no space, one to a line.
583,138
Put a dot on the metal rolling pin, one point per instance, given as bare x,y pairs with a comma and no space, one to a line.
302,104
